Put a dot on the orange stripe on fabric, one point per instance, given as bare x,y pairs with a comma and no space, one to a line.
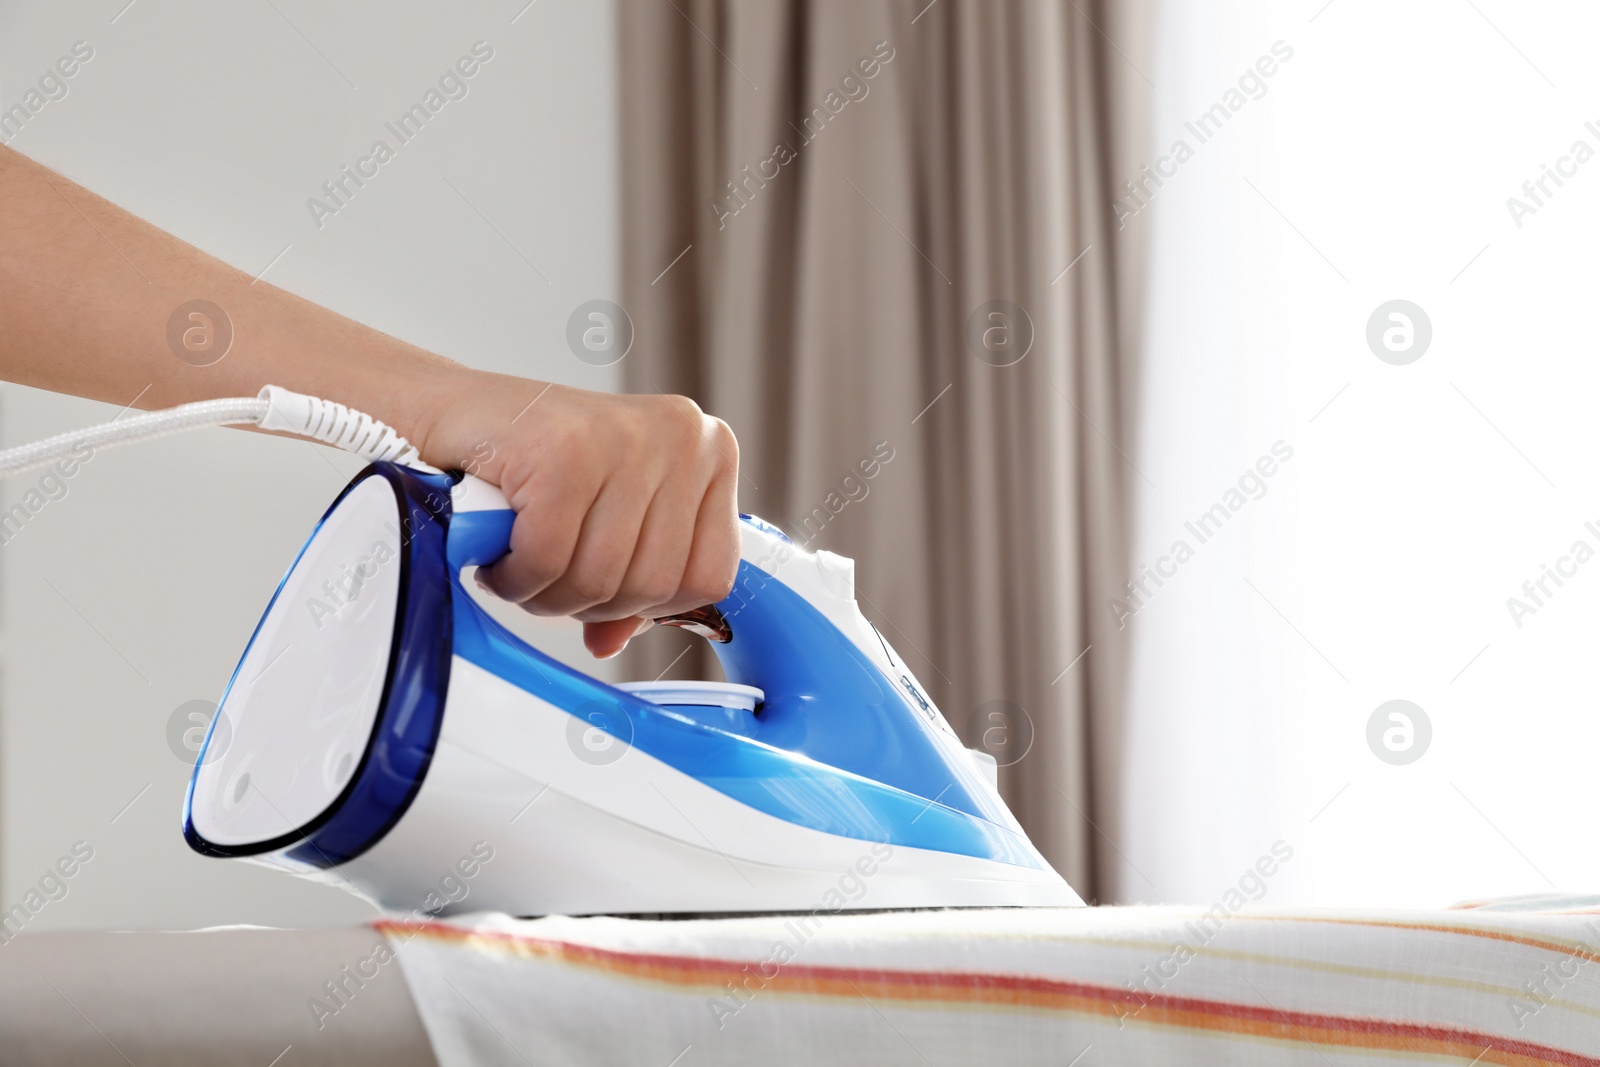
1580,950
1012,991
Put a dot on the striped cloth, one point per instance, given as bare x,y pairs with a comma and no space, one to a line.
1508,983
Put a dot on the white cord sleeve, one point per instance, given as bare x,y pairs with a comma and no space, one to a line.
274,408
334,424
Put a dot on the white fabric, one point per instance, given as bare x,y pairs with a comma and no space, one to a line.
1110,985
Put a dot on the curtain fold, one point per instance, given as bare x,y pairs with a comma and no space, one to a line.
877,239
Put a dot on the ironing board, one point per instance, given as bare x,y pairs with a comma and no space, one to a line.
1506,983
215,997
1503,984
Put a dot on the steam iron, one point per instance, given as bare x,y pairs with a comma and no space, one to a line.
384,733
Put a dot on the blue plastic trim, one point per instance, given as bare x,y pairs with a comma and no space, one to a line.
411,708
834,748
765,526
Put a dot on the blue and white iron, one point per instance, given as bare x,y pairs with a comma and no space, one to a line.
384,728
384,733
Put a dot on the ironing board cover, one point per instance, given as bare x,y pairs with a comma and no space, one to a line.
1500,983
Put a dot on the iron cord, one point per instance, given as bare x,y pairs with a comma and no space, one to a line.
274,408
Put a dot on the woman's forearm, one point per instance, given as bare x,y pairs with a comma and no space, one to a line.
626,505
92,303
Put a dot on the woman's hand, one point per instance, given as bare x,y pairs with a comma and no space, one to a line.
626,505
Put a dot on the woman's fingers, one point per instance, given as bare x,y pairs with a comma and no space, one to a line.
626,505
599,563
551,510
660,554
606,639
713,560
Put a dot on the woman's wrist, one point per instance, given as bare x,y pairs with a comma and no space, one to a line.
408,388
456,415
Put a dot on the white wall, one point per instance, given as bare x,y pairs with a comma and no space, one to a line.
1420,497
135,593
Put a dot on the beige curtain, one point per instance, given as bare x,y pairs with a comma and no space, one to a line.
821,203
